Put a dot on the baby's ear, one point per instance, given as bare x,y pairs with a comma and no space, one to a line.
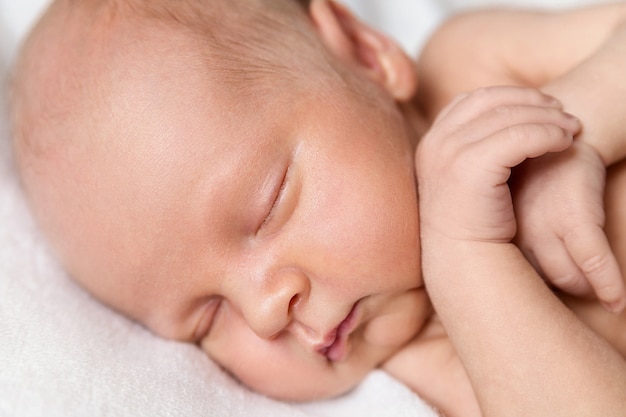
355,42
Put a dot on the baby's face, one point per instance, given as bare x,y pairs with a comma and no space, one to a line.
276,226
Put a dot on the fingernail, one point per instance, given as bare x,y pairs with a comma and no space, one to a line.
615,307
554,101
576,123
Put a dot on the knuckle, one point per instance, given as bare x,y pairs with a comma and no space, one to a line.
483,95
503,110
596,265
550,130
522,133
521,136
482,92
517,134
573,283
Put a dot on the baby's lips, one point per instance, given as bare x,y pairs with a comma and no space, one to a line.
329,340
340,347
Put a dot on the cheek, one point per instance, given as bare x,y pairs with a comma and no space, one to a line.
368,215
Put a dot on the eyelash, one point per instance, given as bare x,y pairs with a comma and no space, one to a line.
204,329
277,198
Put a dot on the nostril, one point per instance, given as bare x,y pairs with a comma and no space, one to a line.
294,302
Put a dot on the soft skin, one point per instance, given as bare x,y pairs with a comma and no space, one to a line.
558,201
580,61
249,220
271,215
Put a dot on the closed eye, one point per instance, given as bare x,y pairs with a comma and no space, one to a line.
276,198
207,320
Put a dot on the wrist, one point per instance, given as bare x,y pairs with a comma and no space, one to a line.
604,151
593,154
446,259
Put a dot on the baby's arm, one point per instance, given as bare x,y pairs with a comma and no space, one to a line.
577,56
594,90
524,351
511,47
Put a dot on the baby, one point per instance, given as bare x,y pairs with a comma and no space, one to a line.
241,175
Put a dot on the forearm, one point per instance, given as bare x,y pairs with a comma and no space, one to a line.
595,91
525,352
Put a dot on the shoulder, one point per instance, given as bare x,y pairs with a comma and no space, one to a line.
464,54
511,46
523,34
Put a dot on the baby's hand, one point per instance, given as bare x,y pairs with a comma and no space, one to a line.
464,162
560,214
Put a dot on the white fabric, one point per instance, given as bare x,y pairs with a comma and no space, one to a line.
408,21
546,4
63,354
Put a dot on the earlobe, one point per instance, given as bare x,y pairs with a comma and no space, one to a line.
357,43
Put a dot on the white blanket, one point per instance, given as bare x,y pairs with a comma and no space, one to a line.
64,354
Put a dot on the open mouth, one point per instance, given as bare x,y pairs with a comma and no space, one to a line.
337,348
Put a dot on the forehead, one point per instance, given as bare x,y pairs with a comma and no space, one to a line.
178,149
176,100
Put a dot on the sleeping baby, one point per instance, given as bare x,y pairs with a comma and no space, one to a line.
245,176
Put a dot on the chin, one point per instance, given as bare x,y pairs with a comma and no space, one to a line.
307,388
314,392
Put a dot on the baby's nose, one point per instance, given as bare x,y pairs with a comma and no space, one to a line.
269,310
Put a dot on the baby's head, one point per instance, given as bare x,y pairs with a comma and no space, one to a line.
234,174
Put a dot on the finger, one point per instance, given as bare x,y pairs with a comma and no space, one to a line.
510,146
590,249
504,117
450,106
558,268
468,106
